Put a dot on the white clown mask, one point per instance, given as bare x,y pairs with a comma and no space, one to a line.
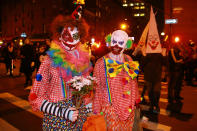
118,41
70,38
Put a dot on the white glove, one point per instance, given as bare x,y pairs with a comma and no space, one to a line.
73,114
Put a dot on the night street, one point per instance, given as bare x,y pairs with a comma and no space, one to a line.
98,65
16,113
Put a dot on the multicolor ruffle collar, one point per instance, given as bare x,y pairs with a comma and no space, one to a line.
74,62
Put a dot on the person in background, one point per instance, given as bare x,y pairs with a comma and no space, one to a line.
176,73
36,53
9,56
27,61
47,43
42,55
190,63
139,54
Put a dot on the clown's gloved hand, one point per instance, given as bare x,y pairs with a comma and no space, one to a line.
89,107
67,113
73,114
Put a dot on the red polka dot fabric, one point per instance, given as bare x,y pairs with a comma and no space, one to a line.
124,93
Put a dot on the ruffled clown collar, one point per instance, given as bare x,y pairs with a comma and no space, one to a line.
73,62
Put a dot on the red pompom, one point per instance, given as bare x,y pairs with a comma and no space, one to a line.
32,96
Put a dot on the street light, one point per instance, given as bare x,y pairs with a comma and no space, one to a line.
21,42
123,26
162,33
1,42
176,39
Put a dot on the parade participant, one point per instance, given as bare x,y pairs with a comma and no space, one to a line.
67,57
27,61
9,56
116,92
176,73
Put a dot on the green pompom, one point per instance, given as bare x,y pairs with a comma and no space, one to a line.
108,38
129,43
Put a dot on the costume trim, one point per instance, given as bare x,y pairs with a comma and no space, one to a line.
62,59
108,88
132,69
115,67
63,88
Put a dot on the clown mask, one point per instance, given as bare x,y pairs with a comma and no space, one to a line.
118,42
70,38
153,41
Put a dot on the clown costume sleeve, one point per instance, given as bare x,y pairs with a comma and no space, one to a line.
40,97
97,97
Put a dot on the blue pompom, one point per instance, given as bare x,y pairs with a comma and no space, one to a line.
110,61
38,77
136,71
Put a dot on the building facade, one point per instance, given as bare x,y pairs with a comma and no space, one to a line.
34,17
28,16
139,14
184,12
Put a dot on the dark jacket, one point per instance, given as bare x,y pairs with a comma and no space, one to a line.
153,67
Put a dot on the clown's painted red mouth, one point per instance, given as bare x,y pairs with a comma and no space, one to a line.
116,49
69,45
153,44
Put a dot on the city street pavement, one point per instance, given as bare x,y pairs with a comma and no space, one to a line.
16,113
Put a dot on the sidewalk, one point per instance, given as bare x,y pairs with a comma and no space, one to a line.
16,70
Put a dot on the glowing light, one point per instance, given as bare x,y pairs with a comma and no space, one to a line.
21,42
131,4
162,33
166,38
142,7
125,5
98,44
136,14
142,14
136,7
92,40
23,34
1,42
82,2
123,26
176,39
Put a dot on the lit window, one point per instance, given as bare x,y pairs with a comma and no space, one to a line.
136,3
142,14
136,15
124,1
131,4
142,7
99,15
136,7
142,3
125,5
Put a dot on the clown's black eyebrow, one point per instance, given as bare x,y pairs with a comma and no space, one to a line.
121,42
114,41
